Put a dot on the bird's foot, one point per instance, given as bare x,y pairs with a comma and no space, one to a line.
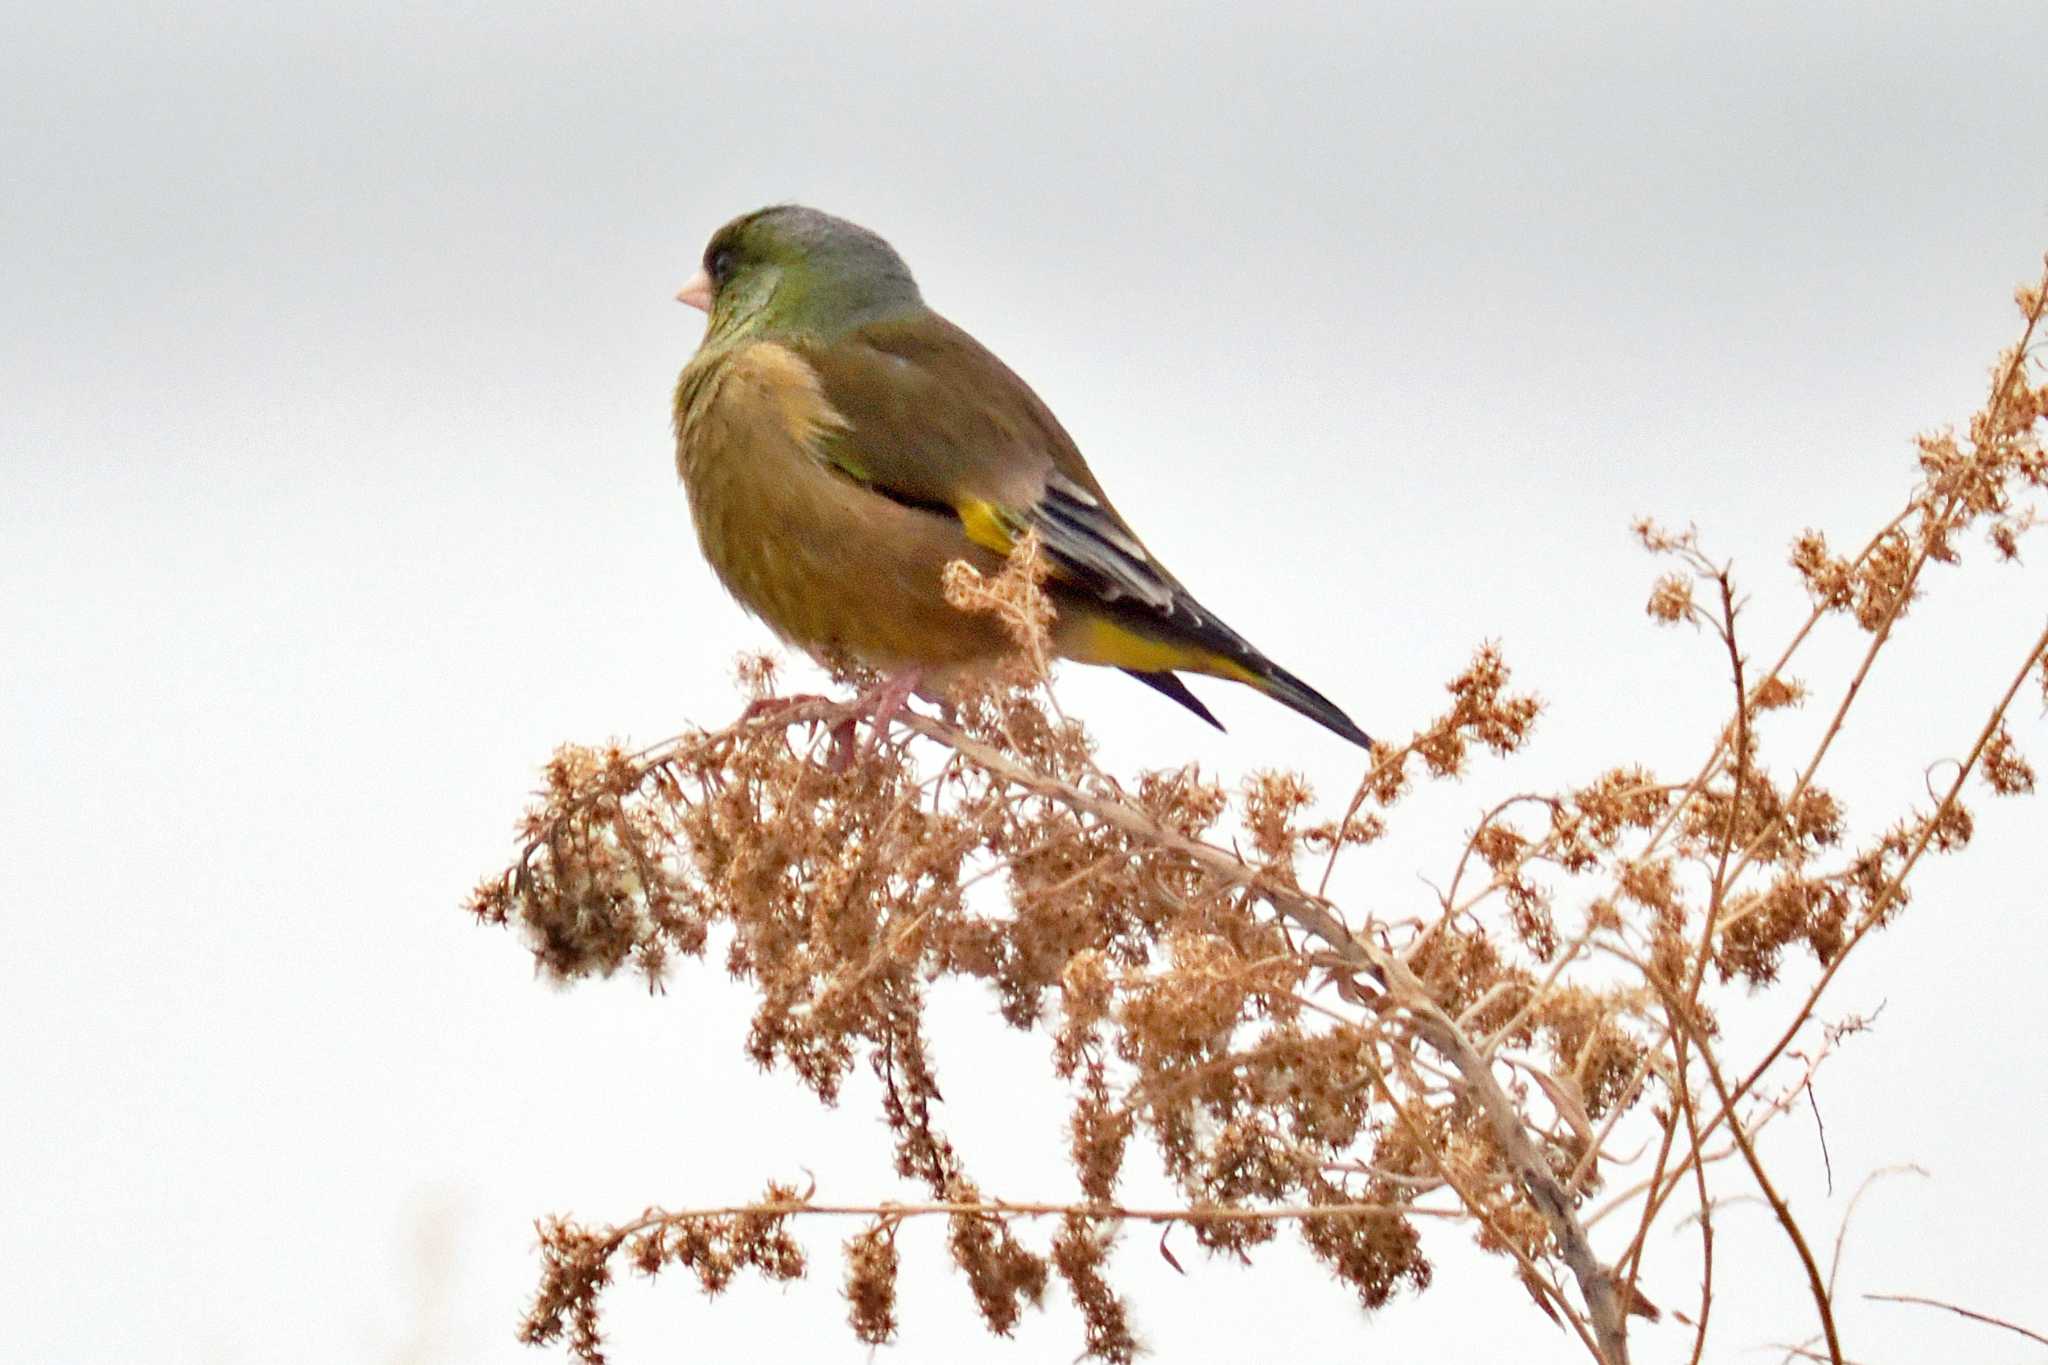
880,704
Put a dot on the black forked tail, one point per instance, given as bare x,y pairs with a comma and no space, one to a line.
1172,686
1277,683
1283,687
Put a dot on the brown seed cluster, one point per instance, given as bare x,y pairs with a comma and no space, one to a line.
1496,1052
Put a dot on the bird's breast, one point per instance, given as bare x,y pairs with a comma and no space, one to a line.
827,562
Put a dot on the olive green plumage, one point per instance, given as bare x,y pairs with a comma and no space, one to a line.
841,443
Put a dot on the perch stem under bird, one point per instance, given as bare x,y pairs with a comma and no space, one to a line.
841,443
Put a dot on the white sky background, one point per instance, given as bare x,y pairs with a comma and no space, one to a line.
338,489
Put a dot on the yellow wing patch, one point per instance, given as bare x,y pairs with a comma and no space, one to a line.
985,524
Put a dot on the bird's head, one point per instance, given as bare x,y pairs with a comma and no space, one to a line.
789,269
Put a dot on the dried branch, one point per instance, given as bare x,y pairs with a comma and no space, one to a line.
1543,1031
1971,1314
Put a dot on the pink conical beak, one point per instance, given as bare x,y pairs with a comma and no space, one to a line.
697,293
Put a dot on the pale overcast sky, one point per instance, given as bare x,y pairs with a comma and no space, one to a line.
338,489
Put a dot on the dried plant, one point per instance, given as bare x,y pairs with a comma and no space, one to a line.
1537,1050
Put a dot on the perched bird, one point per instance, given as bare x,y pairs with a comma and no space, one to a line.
841,443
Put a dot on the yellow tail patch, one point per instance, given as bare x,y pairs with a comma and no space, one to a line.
1104,641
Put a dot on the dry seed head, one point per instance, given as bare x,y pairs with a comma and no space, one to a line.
2006,771
1775,693
1671,599
871,1266
1080,1254
1016,596
1829,579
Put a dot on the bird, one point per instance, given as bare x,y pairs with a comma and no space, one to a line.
840,443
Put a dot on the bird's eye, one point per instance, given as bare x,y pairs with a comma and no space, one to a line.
721,264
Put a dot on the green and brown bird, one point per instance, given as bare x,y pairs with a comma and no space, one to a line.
841,443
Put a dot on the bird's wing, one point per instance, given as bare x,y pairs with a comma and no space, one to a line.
921,413
932,419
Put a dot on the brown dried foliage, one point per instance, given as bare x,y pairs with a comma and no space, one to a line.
1473,1059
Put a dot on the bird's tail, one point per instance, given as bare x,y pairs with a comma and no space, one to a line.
1171,685
1290,691
1152,647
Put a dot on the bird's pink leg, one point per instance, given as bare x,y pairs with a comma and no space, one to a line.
879,704
883,702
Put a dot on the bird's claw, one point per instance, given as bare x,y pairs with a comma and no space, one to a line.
880,704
